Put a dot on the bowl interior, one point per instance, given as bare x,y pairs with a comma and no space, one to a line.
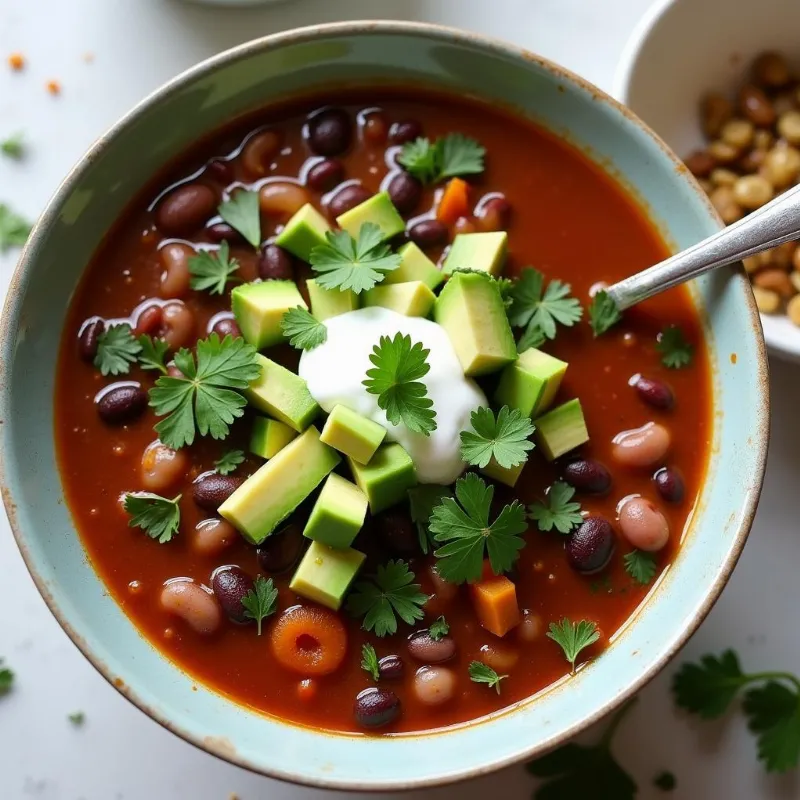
88,203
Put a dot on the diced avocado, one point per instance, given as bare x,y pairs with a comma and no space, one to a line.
531,382
338,514
259,309
414,266
303,232
472,312
283,395
379,210
352,434
479,251
269,436
273,491
327,303
561,430
386,479
507,475
324,575
414,299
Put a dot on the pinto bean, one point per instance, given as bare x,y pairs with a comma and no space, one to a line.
213,536
185,209
148,320
434,686
641,447
493,212
431,651
259,152
162,467
175,278
643,525
282,199
178,323
193,603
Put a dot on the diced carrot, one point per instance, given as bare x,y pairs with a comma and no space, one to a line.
495,600
309,640
16,61
454,202
54,87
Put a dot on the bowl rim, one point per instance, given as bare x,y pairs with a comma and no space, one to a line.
9,323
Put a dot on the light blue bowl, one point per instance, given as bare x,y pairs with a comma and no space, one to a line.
97,191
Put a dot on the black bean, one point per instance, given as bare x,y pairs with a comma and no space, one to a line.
590,547
431,651
326,174
280,551
587,475
124,403
405,192
396,533
87,341
376,707
329,132
222,232
428,233
211,490
346,198
230,585
275,264
654,392
405,131
669,484
391,668
220,170
185,209
226,327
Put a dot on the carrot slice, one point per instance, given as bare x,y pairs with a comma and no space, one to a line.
309,640
494,598
454,202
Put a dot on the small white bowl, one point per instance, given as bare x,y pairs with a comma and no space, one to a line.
682,49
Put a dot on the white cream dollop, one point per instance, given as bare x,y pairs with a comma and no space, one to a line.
334,372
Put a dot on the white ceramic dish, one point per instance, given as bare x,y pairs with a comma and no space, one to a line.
680,50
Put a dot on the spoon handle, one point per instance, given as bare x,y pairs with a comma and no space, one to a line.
773,224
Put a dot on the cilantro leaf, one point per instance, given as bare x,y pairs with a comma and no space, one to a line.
438,628
420,160
210,271
708,688
13,147
675,351
395,379
344,263
261,601
773,714
243,213
451,155
423,499
77,718
641,566
369,661
481,673
157,516
533,336
573,637
302,330
464,526
14,229
6,679
603,312
228,462
207,399
504,439
386,595
117,349
543,309
152,353
558,511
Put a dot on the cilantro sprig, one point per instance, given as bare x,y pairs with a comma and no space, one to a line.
483,673
13,146
448,157
369,661
6,678
462,524
675,351
14,229
503,438
573,637
641,566
603,313
558,510
77,718
395,378
422,500
261,601
117,349
159,517
211,271
438,629
243,213
303,331
228,462
152,353
541,310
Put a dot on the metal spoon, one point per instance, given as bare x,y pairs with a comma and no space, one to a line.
773,224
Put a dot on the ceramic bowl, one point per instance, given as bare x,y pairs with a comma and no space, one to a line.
97,191
684,48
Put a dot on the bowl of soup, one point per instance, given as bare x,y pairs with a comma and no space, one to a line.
319,440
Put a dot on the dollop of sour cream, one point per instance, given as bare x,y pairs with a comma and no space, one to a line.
334,372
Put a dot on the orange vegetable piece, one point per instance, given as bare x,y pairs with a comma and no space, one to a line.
307,690
16,61
54,87
494,598
454,202
309,640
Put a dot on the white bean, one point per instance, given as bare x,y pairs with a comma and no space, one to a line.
193,603
641,447
434,686
643,525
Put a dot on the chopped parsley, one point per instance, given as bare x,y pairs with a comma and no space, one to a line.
482,673
603,313
573,637
448,157
6,679
675,351
13,147
369,661
243,213
157,516
503,438
153,353
14,230
303,331
540,309
117,349
261,601
438,628
640,565
210,271
228,462
423,498
77,718
558,511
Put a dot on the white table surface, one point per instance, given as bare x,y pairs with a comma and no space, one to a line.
119,752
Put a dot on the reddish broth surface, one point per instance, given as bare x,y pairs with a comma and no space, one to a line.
569,220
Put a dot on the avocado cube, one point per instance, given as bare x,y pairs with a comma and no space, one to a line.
387,478
414,298
259,309
379,210
531,382
274,490
327,303
303,232
352,434
324,575
269,436
507,475
338,514
485,252
473,314
283,395
562,429
414,266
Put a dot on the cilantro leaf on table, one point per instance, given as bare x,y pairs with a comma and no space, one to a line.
450,156
640,565
210,271
228,462
386,595
303,331
438,628
117,349
573,637
558,511
603,313
463,524
395,378
773,715
369,661
708,688
261,601
344,263
13,147
207,398
675,351
482,673
152,354
503,438
157,516
6,679
14,229
423,498
77,718
533,305
243,213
